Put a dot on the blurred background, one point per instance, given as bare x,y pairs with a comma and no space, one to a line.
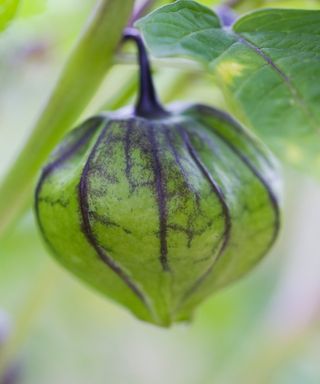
263,329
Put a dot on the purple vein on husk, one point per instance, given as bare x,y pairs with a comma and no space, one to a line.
272,198
64,156
237,128
189,230
86,225
161,195
234,124
127,151
173,149
226,212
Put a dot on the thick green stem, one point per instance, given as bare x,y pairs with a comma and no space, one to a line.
88,63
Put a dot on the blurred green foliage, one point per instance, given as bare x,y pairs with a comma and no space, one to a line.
248,5
8,9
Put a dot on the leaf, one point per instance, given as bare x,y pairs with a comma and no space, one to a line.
245,6
8,10
268,65
30,8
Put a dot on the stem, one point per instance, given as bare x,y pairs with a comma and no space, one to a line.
147,104
175,87
88,63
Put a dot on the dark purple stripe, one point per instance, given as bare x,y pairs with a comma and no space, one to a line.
168,135
86,226
64,156
254,170
235,125
226,212
127,151
160,190
214,185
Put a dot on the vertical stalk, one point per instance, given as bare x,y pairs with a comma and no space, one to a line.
83,72
148,104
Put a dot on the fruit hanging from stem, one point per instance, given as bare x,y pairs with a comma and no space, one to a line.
159,207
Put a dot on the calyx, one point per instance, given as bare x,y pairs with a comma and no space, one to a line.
159,207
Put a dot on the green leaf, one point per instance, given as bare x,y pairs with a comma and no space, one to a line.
267,65
31,8
8,10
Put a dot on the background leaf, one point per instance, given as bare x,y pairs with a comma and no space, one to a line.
267,66
245,6
31,8
8,9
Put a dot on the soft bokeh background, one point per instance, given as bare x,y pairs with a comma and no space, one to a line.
263,329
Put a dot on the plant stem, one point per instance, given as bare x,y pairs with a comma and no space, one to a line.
86,67
148,104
